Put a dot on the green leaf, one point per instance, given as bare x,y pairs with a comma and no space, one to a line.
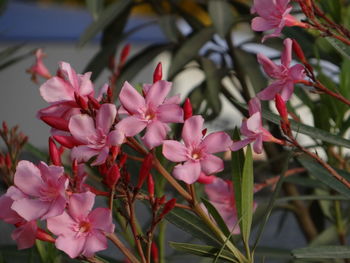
222,16
107,16
345,79
320,252
237,160
323,175
217,217
247,196
168,25
327,236
9,51
36,152
203,251
140,60
189,50
339,46
213,84
191,224
95,7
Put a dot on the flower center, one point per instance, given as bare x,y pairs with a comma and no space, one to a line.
196,154
84,227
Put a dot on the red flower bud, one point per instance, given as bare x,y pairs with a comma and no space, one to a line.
158,74
204,132
168,207
56,122
154,252
5,127
80,101
94,102
281,107
113,176
66,141
54,153
124,54
298,51
114,151
109,93
8,161
123,159
150,186
187,107
75,167
145,169
43,236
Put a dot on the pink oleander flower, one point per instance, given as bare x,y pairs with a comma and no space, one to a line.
221,195
196,152
273,14
81,231
95,138
153,111
285,76
252,128
44,190
26,231
39,69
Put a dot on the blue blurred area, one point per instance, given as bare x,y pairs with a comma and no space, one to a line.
27,21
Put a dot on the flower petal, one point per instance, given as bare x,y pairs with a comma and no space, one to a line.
261,24
105,117
157,92
192,130
83,153
56,208
188,172
240,144
254,106
55,90
61,225
212,164
170,113
95,242
71,245
217,142
257,146
31,209
82,127
115,137
269,66
80,204
254,122
85,85
101,218
130,126
270,92
101,157
130,99
286,56
28,178
25,235
174,151
155,134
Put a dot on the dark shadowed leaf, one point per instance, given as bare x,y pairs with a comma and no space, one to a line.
221,14
321,252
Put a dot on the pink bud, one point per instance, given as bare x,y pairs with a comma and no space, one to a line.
145,169
158,74
187,107
56,122
150,186
54,153
124,54
113,176
66,141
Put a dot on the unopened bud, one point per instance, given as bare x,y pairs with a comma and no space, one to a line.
43,236
124,54
145,169
109,93
75,167
113,176
80,101
94,102
114,151
150,186
281,107
298,51
154,252
54,153
168,207
123,159
8,161
204,132
56,122
5,127
158,73
187,107
66,141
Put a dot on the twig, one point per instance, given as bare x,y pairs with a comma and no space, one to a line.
113,237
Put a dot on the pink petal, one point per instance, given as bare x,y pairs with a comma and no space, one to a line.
7,214
56,89
130,126
188,172
155,134
263,7
31,209
60,109
287,91
254,106
80,204
71,245
85,85
51,172
258,146
192,130
101,157
101,218
115,137
105,117
56,208
102,92
15,194
269,66
205,179
261,24
130,99
83,153
95,242
240,144
212,164
254,123
69,74
270,92
217,142
25,235
286,57
61,225
157,93
82,127
297,72
170,113
174,151
28,178
218,191
173,100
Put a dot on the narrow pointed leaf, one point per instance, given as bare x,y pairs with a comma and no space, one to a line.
339,46
221,14
322,252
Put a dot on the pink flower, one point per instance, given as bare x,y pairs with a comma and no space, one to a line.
153,112
79,231
284,75
253,130
221,195
25,232
96,138
39,69
196,152
273,14
43,190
